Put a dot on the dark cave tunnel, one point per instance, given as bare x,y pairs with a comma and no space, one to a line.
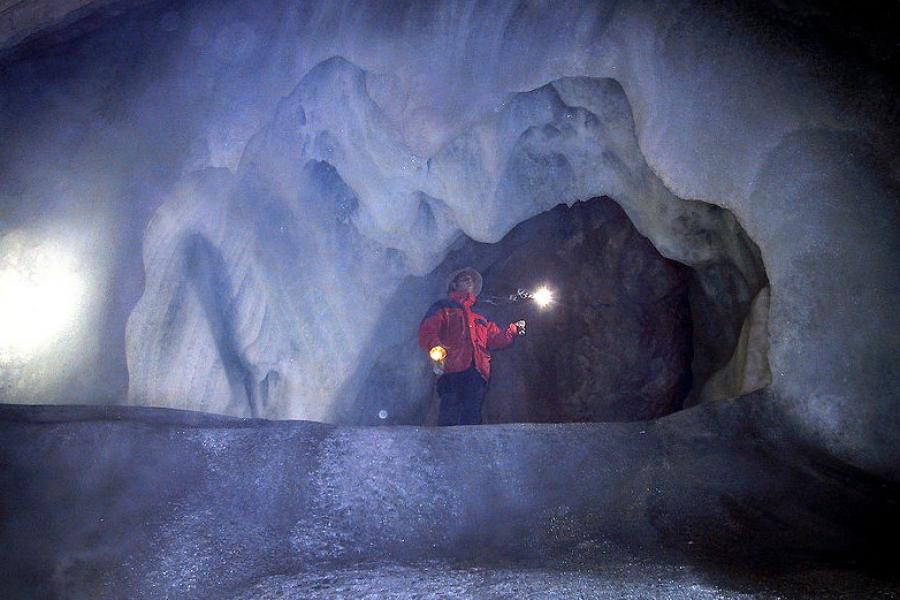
630,336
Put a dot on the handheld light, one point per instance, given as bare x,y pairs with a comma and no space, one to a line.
542,297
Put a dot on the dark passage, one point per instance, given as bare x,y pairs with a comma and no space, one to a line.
630,336
615,346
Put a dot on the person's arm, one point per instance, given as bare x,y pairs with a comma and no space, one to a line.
500,338
430,328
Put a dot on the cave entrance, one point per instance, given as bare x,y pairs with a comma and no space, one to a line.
617,344
631,336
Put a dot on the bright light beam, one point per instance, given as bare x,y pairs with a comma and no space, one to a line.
37,303
543,297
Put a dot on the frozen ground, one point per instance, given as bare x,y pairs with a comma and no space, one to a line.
128,502
620,581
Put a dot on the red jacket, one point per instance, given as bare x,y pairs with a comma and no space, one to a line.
465,334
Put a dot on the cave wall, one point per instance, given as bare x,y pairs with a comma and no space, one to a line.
19,20
399,214
440,120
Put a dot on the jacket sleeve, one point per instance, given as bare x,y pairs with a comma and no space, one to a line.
500,338
430,329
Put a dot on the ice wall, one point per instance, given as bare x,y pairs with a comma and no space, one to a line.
407,123
330,209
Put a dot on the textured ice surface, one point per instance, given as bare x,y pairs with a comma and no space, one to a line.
272,284
133,502
626,580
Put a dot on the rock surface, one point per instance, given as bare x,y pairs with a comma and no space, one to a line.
617,345
23,20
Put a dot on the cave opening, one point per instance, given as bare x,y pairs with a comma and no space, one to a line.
630,336
615,346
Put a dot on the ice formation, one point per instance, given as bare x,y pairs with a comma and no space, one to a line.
242,207
293,163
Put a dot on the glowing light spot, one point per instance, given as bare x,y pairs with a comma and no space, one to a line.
438,353
543,297
382,414
40,295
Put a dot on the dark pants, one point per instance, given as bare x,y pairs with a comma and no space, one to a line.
461,397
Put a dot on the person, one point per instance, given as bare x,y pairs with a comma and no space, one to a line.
460,342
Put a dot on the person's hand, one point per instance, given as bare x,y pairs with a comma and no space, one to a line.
437,355
520,327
